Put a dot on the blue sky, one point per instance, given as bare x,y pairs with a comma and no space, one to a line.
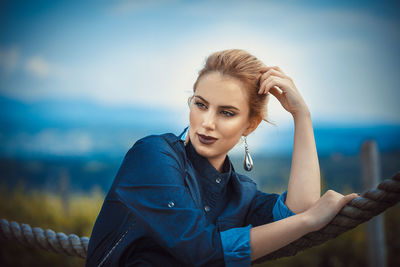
343,55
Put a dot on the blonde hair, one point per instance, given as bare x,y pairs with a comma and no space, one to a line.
243,66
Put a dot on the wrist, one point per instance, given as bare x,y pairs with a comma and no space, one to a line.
308,222
304,113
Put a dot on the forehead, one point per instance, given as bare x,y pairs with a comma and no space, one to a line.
222,90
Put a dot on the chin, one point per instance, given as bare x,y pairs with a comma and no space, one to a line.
206,150
203,151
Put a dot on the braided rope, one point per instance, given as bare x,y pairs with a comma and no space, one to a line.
359,210
71,245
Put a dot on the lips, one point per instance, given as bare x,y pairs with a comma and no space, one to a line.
207,140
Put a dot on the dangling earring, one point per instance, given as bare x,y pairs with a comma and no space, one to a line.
248,161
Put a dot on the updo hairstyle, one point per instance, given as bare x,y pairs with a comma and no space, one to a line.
243,66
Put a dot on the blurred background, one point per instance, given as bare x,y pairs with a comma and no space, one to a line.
80,82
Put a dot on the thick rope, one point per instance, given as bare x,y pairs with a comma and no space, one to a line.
359,210
71,245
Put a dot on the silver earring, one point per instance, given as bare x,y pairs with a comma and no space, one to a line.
248,161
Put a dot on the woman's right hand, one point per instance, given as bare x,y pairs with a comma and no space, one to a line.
326,208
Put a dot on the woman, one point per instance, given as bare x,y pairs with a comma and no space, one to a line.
178,201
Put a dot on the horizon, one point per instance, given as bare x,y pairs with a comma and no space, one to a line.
126,64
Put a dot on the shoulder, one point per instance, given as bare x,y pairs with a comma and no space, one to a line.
157,141
160,145
154,159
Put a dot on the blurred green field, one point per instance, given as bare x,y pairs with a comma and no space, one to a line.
77,212
73,214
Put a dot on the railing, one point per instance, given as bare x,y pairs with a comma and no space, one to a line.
361,209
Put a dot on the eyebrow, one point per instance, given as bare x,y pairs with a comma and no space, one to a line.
228,107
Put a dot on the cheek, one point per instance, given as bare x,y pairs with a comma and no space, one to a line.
193,117
233,128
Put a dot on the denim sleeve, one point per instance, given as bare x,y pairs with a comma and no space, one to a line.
151,184
266,208
236,245
280,210
260,209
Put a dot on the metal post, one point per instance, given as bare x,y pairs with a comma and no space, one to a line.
371,176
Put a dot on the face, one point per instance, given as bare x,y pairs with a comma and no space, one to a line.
218,116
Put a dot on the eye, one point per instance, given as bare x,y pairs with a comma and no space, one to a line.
200,105
228,114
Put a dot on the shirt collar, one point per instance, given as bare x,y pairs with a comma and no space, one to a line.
206,170
182,136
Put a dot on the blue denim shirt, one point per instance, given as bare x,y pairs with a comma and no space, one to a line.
163,210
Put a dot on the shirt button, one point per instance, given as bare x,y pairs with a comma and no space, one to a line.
218,180
171,204
207,208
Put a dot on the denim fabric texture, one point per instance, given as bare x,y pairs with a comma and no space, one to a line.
168,206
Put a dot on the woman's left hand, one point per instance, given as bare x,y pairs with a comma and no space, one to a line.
273,79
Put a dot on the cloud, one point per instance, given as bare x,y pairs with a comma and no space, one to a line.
75,142
333,54
38,66
9,58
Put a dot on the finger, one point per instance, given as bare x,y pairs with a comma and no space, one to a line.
272,72
276,92
261,90
353,196
267,68
274,89
274,81
266,84
347,198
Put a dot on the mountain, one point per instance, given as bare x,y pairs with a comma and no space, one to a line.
78,128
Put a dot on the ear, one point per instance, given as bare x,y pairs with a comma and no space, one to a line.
254,122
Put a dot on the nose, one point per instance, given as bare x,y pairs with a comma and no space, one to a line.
209,120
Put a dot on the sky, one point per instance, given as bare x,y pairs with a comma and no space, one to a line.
342,55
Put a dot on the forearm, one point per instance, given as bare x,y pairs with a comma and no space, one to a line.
304,183
267,238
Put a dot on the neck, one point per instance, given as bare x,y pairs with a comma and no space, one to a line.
217,162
